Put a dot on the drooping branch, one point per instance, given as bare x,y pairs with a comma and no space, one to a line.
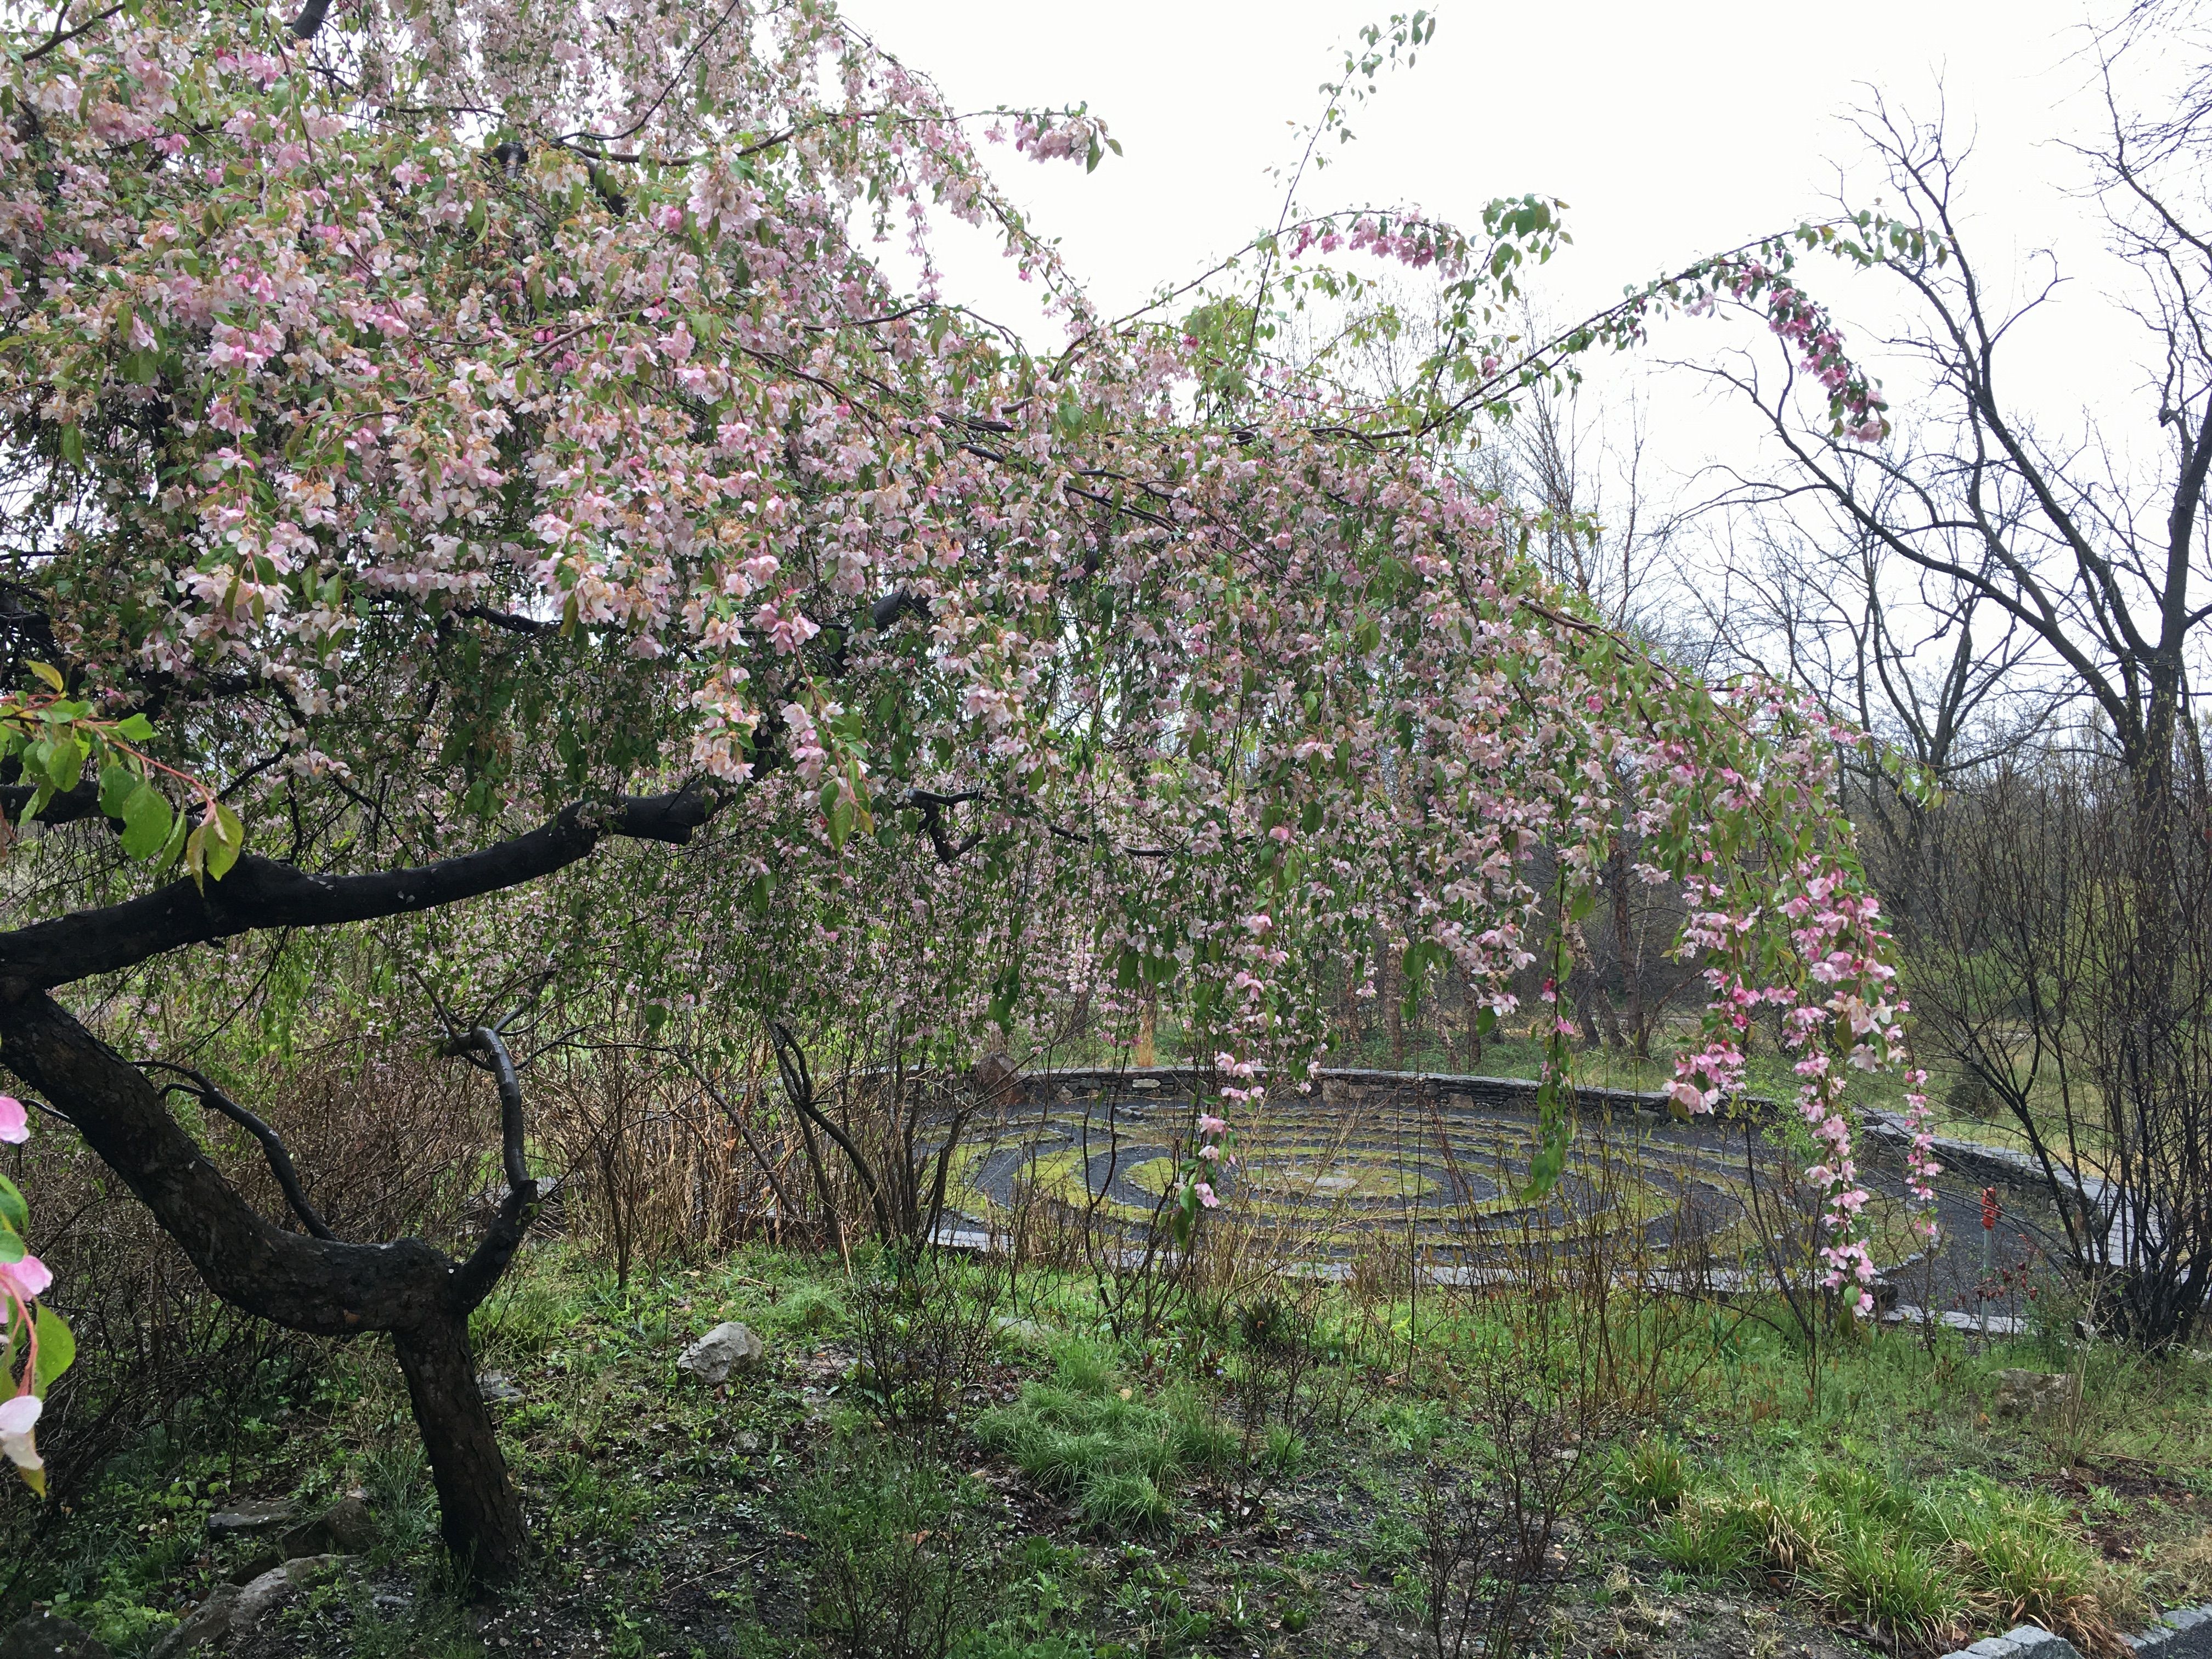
799,1085
272,1144
262,893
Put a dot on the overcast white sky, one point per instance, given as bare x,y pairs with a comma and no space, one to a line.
1670,131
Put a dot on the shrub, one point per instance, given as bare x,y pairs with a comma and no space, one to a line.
1971,1096
1890,1582
899,1563
1710,1541
1922,1566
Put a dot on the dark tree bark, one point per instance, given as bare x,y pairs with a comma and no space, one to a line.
321,1286
326,1287
478,1514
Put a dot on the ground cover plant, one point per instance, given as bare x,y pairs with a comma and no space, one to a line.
1092,1496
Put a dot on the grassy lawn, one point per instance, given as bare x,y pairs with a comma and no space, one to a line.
1261,1476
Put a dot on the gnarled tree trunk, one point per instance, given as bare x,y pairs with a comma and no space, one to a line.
323,1286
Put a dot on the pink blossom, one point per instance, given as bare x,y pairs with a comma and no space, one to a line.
18,1417
25,1280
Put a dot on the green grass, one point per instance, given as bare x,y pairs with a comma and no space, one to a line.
1116,1453
1928,1561
1884,1494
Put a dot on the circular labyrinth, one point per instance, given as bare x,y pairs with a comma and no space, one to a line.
1452,1178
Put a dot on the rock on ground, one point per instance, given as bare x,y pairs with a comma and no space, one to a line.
2034,1393
232,1611
729,1346
205,1623
253,1515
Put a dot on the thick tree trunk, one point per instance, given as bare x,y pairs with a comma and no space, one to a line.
479,1514
326,1287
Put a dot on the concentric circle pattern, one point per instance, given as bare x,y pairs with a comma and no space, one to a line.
1442,1161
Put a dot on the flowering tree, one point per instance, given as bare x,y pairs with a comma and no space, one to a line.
460,425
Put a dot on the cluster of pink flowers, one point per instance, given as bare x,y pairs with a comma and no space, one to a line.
1797,317
1921,1167
1838,1015
1411,240
1049,138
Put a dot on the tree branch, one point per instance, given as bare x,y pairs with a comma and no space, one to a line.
272,1144
799,1085
474,1279
261,893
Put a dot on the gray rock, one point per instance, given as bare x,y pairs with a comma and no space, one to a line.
2022,1642
255,1565
729,1346
278,1586
496,1389
344,1529
49,1636
2033,1393
2183,1633
254,1515
208,1622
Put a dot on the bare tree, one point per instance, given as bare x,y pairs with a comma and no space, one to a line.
2021,613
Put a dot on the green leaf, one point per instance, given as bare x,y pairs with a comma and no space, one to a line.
57,1348
174,846
228,841
146,820
73,446
15,1214
66,763
116,783
47,672
841,821
11,1246
135,728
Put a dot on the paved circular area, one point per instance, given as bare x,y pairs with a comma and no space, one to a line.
1435,1172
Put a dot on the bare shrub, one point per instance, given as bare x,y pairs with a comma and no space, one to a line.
661,1160
923,1323
899,1560
1489,1528
2061,940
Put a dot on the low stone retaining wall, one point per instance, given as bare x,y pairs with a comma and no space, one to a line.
2185,1633
1353,1086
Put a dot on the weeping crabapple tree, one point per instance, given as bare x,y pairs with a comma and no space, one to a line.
450,442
